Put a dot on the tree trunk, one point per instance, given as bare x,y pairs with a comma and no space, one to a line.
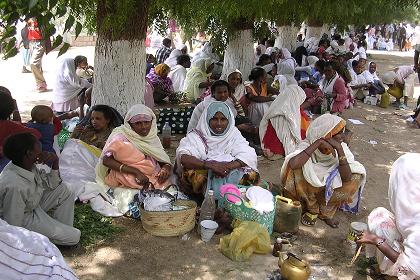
317,30
287,37
120,57
239,54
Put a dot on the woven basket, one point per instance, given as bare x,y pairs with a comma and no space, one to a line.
243,213
170,223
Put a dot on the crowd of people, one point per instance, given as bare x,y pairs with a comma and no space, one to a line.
273,112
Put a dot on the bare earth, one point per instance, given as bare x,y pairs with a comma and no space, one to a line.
135,254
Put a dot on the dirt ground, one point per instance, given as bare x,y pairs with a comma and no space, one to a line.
135,254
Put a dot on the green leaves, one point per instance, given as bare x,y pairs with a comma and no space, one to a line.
69,23
57,41
63,49
32,3
78,28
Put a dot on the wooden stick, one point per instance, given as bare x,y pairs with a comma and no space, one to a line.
356,255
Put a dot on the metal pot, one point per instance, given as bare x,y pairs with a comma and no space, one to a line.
293,268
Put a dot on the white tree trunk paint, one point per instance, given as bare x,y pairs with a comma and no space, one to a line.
239,54
287,37
120,69
317,31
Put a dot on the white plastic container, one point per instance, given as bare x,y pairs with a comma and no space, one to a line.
208,228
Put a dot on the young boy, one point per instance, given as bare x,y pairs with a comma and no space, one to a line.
42,120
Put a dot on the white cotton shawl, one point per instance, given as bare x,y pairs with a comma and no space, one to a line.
287,68
317,169
199,109
230,146
404,199
67,83
177,76
328,85
284,115
171,61
240,90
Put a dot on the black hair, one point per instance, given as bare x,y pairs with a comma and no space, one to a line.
354,63
80,58
5,90
262,58
330,64
320,64
183,58
7,105
256,73
166,41
109,113
219,83
17,146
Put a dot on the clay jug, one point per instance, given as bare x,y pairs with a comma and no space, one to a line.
288,213
294,268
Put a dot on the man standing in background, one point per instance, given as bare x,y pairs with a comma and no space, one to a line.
37,47
26,54
163,53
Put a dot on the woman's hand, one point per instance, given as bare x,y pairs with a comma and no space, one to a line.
335,144
221,169
367,238
164,173
141,179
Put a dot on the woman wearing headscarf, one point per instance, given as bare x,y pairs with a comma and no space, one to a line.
133,157
322,172
215,153
287,69
198,80
206,52
162,84
171,61
394,236
284,124
68,86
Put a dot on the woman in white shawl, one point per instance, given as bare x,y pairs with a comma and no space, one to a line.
322,173
133,158
215,153
171,61
394,236
67,86
287,69
206,52
284,124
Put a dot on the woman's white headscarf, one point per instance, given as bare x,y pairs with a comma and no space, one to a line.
203,144
286,53
240,90
284,115
404,199
171,61
67,84
149,145
196,75
312,60
320,167
206,52
287,69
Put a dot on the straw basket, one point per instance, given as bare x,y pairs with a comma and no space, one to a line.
170,223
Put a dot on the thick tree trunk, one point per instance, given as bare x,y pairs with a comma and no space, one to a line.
120,68
287,37
317,30
120,56
239,54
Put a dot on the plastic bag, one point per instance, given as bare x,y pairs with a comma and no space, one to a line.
246,238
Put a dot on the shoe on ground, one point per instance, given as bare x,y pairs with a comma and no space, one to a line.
25,70
42,90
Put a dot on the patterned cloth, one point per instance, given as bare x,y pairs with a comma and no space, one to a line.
162,54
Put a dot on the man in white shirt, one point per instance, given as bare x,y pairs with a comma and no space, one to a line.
360,83
179,72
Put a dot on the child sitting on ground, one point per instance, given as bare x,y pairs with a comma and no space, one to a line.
42,120
83,69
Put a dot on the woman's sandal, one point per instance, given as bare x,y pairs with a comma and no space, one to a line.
309,219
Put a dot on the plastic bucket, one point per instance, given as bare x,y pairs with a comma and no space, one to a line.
208,228
356,228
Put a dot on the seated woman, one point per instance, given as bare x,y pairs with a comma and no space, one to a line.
394,236
214,153
133,158
257,98
322,173
32,198
68,87
198,80
334,89
284,124
162,84
81,153
10,127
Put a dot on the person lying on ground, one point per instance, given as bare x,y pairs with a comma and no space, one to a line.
28,194
393,237
215,153
322,173
9,127
133,158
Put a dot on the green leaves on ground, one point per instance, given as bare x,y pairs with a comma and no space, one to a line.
95,228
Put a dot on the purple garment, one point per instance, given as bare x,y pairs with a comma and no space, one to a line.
47,135
156,80
3,162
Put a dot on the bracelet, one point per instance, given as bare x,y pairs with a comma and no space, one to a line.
121,167
380,242
340,158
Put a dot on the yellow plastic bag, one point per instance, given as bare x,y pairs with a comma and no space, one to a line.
247,238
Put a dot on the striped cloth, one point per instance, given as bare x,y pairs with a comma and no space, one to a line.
29,255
